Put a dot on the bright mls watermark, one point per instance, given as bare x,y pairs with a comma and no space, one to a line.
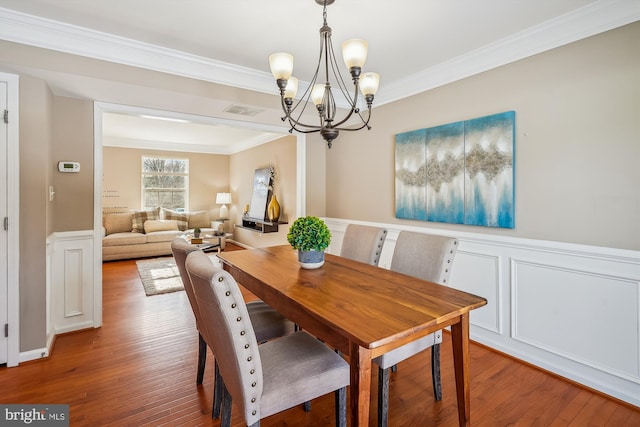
34,415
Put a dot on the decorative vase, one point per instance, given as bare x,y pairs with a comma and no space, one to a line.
310,259
273,210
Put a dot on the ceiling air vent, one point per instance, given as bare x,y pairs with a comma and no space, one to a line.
243,110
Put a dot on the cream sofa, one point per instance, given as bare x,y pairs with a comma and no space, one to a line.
149,233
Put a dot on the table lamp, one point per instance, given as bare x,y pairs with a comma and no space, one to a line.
223,199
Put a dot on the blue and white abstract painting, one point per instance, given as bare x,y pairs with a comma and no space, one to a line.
460,173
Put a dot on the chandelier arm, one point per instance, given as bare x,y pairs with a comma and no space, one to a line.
304,100
354,109
295,125
340,80
353,102
365,124
289,113
329,104
312,129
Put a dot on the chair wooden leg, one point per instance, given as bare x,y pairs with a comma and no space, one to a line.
383,397
218,392
435,371
227,403
202,359
341,407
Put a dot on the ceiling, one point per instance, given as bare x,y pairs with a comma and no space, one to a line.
414,45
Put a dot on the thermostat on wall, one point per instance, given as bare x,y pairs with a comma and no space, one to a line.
69,166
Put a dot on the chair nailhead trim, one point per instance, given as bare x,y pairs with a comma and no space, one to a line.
238,319
253,400
249,359
242,333
227,293
253,412
220,279
246,346
233,305
253,384
253,371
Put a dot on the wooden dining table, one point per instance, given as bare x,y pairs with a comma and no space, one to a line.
359,309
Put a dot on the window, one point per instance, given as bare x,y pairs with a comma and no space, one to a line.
165,182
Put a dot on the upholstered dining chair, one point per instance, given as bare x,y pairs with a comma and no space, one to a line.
268,322
268,378
363,243
428,257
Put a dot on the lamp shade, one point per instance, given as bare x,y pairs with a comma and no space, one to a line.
223,198
281,64
354,52
369,83
291,89
317,93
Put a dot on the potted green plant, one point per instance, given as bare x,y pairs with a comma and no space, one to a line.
196,232
310,236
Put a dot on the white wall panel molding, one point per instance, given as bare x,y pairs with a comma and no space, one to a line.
71,281
586,316
573,310
479,274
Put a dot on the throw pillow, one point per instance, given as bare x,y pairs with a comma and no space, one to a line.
181,217
199,219
152,225
118,223
139,217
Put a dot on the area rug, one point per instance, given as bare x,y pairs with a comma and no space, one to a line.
161,275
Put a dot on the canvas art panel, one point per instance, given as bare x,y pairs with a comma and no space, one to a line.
260,194
458,173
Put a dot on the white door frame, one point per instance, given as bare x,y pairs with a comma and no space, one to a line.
13,213
99,108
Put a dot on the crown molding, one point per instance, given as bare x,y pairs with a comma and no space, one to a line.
587,21
40,32
592,19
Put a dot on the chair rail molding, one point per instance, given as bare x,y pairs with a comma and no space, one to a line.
573,310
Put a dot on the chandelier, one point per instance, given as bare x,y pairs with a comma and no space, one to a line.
320,91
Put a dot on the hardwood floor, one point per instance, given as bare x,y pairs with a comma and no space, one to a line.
139,369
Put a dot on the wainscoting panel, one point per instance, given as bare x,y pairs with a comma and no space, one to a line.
479,274
73,304
566,311
71,281
573,310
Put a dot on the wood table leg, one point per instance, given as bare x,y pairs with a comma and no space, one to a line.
460,341
360,392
